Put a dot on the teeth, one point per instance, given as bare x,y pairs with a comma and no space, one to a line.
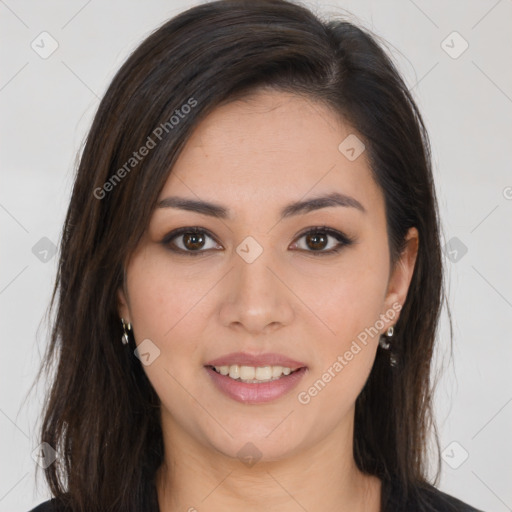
263,373
234,371
252,374
247,372
276,371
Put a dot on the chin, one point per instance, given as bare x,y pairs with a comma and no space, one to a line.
255,441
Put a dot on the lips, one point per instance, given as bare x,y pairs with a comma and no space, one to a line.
256,393
258,360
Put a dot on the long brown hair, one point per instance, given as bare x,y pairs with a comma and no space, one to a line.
102,414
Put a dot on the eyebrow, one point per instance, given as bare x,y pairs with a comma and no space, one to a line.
296,208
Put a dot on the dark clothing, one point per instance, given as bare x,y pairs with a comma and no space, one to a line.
427,499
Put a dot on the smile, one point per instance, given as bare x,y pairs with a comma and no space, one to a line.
253,374
254,385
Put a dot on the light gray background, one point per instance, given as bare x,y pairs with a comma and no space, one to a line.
48,104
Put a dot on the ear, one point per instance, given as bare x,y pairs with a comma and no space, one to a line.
401,275
122,305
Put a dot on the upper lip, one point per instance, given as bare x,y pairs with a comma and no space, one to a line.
246,359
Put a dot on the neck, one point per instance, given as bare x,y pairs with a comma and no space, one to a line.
323,477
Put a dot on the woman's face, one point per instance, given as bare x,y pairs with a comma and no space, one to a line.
256,282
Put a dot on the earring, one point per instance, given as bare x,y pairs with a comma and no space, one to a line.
383,342
126,327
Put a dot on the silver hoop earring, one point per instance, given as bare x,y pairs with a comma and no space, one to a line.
126,328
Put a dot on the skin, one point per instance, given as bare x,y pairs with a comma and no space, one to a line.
254,156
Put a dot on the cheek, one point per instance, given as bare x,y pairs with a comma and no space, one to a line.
162,296
344,298
165,305
345,350
346,303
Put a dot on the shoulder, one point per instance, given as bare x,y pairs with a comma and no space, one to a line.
52,505
423,497
442,502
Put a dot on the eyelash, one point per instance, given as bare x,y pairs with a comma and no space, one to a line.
343,240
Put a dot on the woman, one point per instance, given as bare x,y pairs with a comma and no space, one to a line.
250,278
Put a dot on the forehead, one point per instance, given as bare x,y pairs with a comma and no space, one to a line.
270,148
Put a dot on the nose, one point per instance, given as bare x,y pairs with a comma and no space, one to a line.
256,298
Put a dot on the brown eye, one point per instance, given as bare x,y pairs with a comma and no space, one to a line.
191,241
316,241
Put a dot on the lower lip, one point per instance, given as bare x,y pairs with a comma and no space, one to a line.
255,393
